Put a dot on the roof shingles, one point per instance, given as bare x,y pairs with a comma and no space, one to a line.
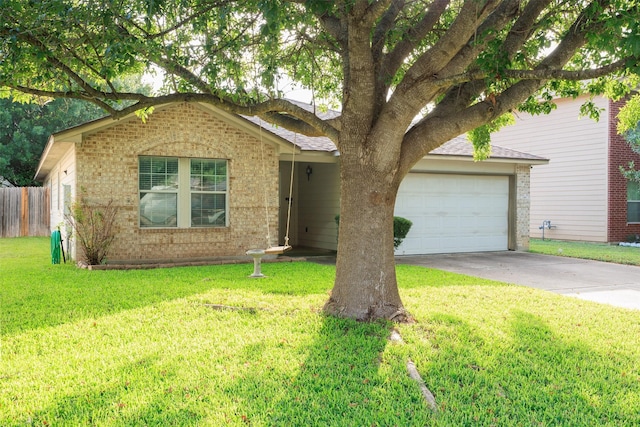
461,146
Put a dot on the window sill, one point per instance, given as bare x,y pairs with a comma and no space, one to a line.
181,230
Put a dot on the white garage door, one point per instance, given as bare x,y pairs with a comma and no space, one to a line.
454,213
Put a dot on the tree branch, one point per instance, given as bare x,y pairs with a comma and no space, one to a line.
208,8
420,139
174,68
447,47
536,74
330,23
55,62
428,89
394,59
488,31
386,23
292,123
463,29
375,10
332,26
461,95
276,111
417,88
523,27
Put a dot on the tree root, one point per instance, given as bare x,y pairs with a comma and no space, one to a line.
230,308
429,398
426,393
389,312
395,336
402,316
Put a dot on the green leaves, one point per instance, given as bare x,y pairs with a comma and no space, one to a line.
144,113
480,137
629,126
629,115
248,51
25,129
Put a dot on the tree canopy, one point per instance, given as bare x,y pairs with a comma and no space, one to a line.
629,127
458,66
234,54
25,129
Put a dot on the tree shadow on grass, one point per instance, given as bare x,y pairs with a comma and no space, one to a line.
117,401
337,372
340,376
343,378
53,295
532,376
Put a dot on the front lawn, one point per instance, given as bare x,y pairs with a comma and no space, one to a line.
596,251
143,348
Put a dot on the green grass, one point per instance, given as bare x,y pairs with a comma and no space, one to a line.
594,251
141,348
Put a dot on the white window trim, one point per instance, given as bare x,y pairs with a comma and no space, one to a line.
631,201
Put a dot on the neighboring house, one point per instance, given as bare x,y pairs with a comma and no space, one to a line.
581,192
194,182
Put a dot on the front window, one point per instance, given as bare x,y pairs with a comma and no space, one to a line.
633,201
208,192
180,192
158,181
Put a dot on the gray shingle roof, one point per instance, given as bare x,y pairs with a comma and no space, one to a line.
305,143
461,146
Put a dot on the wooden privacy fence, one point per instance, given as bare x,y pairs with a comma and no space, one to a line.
24,211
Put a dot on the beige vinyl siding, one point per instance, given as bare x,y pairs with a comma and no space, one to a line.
571,191
319,203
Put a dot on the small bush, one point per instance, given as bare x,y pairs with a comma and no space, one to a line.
401,227
633,238
93,227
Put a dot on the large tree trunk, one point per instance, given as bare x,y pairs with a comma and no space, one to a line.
365,286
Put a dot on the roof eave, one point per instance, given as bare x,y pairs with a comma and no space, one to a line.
538,161
40,175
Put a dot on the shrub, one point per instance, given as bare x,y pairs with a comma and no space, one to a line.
633,238
93,227
401,227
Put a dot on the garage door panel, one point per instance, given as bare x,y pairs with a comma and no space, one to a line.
454,213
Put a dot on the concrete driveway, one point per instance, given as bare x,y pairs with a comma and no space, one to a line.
602,282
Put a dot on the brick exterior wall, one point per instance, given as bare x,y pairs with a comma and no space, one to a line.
107,168
620,154
523,201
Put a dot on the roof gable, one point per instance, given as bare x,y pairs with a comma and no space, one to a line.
60,142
